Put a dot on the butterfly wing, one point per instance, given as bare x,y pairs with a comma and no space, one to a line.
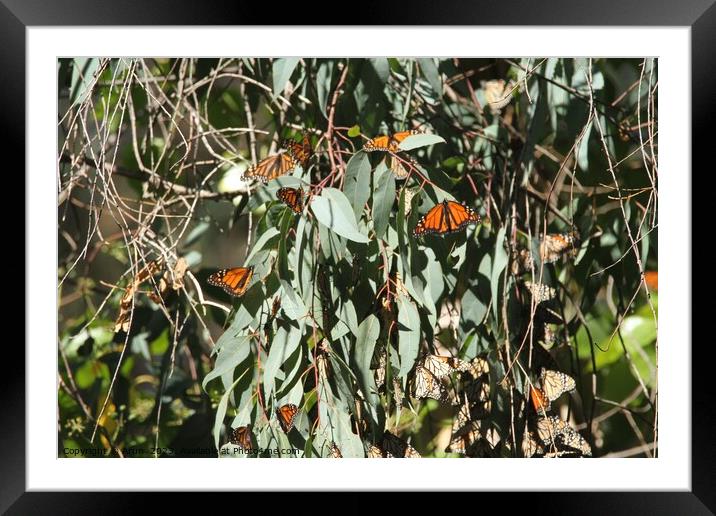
540,291
446,217
379,143
335,452
292,197
426,385
398,138
441,366
374,452
234,281
553,246
286,415
556,383
241,436
397,167
272,167
549,428
434,221
301,152
540,402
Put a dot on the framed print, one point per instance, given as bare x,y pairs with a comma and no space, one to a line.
437,243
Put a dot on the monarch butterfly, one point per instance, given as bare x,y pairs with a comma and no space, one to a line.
446,217
234,281
530,445
378,364
241,436
556,383
300,151
286,414
335,452
387,143
572,439
292,197
464,437
426,385
442,366
374,452
521,261
397,167
549,428
540,292
272,167
393,446
553,246
540,402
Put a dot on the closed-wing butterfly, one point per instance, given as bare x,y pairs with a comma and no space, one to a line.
374,452
572,439
442,366
426,385
540,292
286,415
549,428
388,143
445,217
540,402
335,452
398,166
556,383
395,447
292,197
234,281
553,246
241,436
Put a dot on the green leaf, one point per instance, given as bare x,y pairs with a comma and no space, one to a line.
284,343
368,332
282,70
431,73
354,131
357,183
221,409
383,198
230,355
416,141
83,70
408,334
499,262
333,210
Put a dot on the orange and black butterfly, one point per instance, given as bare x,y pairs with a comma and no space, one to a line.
234,281
446,217
540,402
286,415
554,245
281,164
293,197
387,143
300,151
241,436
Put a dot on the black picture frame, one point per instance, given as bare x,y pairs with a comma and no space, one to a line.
700,15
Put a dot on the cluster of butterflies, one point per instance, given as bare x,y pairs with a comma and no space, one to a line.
285,414
547,434
443,218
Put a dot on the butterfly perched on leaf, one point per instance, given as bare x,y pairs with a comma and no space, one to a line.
445,217
281,164
241,436
555,245
286,415
292,197
388,143
234,281
556,383
426,385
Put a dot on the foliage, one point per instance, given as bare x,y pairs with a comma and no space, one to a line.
151,158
